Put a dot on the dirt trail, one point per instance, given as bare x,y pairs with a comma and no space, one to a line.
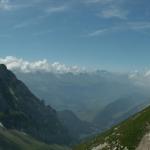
145,143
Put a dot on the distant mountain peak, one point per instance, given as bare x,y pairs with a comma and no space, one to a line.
3,67
6,75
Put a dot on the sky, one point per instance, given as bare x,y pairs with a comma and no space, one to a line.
102,34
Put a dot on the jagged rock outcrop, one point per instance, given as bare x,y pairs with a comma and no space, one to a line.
21,110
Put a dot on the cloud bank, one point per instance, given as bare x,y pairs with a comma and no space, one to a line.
21,65
140,78
141,27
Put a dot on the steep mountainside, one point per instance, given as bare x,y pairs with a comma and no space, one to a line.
77,128
132,134
21,110
15,140
120,110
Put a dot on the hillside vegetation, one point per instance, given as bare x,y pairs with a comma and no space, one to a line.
15,140
125,136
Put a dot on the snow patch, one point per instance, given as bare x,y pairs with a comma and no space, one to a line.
1,125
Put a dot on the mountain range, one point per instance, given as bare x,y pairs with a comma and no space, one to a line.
26,122
91,91
120,110
89,95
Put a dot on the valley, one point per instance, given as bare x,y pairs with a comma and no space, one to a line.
74,75
25,118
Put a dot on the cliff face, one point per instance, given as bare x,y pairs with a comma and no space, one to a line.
21,110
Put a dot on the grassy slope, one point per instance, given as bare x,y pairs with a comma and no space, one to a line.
14,140
127,134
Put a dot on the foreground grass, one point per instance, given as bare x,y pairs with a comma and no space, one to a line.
127,135
14,140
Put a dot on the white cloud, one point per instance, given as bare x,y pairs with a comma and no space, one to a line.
9,5
45,13
110,8
98,32
27,23
39,33
133,26
103,31
141,78
57,9
139,25
22,25
98,1
114,12
147,73
21,65
5,5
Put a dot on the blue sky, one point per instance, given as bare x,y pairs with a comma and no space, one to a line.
104,34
